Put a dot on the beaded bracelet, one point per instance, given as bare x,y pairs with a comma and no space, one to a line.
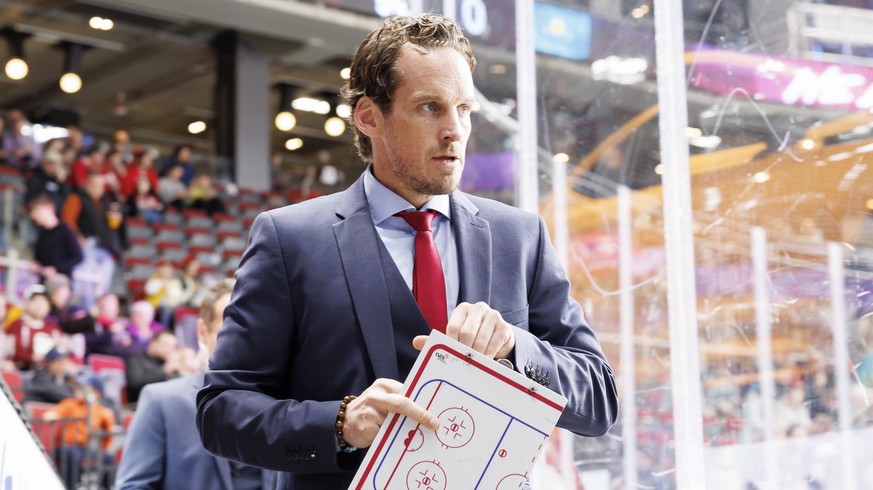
340,420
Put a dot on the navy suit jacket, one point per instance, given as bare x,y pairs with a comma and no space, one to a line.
162,449
309,322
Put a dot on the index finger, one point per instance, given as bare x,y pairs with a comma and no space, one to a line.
401,405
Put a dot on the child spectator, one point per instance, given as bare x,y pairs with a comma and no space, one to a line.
54,379
87,430
164,291
33,336
203,195
145,203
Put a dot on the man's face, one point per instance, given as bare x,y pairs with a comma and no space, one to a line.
419,147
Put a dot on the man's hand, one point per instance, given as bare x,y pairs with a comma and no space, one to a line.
480,327
366,413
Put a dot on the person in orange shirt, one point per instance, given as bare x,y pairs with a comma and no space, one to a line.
87,431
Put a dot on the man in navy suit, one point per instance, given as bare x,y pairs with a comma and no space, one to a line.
162,449
325,308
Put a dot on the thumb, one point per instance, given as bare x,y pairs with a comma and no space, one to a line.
419,341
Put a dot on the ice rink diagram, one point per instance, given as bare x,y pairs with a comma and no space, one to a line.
494,423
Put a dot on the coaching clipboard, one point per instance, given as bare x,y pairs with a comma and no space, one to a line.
494,423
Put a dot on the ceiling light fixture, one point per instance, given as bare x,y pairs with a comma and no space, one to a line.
334,126
101,24
197,127
285,119
70,81
294,144
16,66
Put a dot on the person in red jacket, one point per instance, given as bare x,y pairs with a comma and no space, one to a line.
33,335
142,167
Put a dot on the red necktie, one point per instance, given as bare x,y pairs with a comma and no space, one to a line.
428,283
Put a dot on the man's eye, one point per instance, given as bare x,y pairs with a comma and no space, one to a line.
430,107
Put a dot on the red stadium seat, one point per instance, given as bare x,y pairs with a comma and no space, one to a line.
16,384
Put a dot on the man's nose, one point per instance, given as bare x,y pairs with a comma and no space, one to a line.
451,127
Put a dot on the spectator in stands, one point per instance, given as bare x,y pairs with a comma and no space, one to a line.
203,195
21,149
114,171
75,139
171,190
34,333
791,414
145,203
111,335
57,249
164,291
162,448
54,380
142,167
54,149
71,318
88,162
49,179
98,221
191,282
142,326
87,431
121,144
181,157
160,362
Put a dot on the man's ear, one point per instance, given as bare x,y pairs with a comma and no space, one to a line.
367,116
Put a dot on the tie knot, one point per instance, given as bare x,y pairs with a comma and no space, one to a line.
420,220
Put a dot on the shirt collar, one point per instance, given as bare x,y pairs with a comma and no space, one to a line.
385,203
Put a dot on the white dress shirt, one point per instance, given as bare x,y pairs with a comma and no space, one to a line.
399,237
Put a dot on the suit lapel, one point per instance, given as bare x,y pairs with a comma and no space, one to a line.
473,238
359,250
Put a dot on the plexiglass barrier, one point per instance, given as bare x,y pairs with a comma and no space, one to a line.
779,138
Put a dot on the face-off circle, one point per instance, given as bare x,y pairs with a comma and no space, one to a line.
457,427
512,482
426,475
